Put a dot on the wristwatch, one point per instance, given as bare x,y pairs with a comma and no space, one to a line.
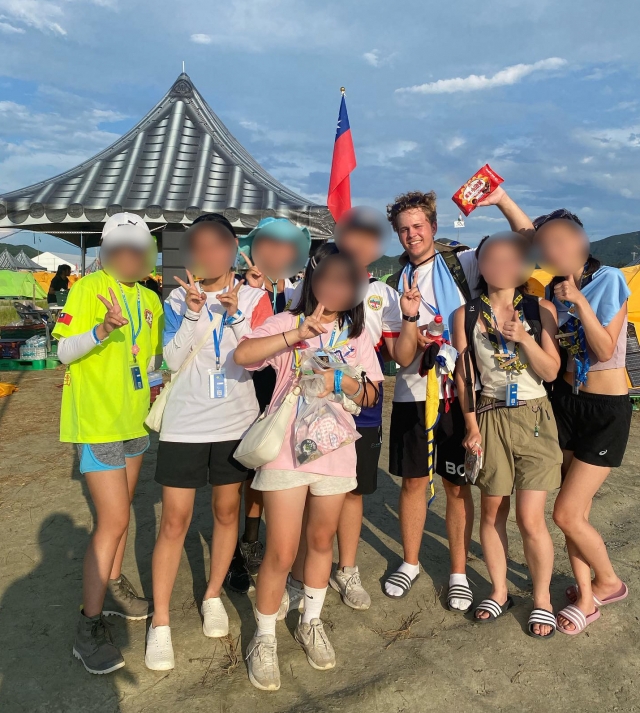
411,319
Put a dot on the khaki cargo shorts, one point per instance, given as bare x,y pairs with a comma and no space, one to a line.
514,457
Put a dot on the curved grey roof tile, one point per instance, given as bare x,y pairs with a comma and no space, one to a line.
178,162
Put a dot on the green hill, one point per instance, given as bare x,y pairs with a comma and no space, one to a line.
15,249
617,250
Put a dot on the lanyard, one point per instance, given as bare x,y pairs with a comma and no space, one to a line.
574,340
135,349
217,338
274,287
509,361
332,339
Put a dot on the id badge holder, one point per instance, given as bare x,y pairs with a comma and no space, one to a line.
217,384
512,391
136,376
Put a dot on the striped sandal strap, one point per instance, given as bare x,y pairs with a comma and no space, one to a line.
575,616
491,607
542,616
460,591
402,580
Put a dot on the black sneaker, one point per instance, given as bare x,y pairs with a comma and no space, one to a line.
94,647
252,553
238,578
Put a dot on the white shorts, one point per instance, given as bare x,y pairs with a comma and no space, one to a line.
318,484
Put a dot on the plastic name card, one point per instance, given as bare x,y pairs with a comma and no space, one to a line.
217,385
512,394
136,375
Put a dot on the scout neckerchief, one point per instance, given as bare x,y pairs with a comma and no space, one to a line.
507,361
573,339
135,333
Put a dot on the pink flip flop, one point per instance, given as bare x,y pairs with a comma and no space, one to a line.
572,596
577,618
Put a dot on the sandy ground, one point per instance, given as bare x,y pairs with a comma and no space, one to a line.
440,661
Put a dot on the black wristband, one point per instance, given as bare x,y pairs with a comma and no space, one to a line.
411,319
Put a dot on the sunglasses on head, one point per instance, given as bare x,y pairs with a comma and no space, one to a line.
561,214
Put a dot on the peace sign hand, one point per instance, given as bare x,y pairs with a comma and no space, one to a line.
411,298
113,319
253,276
194,298
312,326
229,299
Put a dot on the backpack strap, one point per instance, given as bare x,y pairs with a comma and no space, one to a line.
394,280
455,268
471,313
531,312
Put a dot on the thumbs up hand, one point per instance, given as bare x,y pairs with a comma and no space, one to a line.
567,291
513,330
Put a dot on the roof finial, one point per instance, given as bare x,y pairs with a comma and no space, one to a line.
183,67
343,90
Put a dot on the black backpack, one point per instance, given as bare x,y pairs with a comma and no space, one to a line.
472,311
455,268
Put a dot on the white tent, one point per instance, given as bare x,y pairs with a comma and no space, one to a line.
51,261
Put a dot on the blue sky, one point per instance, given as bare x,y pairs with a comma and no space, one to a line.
546,92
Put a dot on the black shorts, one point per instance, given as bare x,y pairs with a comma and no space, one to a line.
368,453
408,445
192,465
595,427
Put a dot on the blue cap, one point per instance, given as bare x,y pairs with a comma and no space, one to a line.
279,229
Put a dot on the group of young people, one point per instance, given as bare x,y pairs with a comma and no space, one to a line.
532,391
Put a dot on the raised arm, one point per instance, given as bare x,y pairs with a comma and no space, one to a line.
519,221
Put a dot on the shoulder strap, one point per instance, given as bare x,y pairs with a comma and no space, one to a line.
471,314
531,311
214,324
455,268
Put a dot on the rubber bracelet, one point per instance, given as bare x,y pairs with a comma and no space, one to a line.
284,336
337,381
94,334
234,318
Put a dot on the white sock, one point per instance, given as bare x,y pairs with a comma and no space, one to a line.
461,604
313,601
266,624
412,570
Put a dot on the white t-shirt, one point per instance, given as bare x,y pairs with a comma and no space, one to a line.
191,415
410,386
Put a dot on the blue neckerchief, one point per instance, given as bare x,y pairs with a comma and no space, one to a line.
606,291
445,289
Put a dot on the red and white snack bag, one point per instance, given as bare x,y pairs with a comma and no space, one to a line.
476,189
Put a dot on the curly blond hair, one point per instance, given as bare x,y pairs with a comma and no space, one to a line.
408,201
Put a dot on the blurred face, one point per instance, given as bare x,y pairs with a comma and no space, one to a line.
503,264
336,285
275,258
127,264
363,246
563,246
211,251
416,233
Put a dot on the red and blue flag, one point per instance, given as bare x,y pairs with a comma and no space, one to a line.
344,161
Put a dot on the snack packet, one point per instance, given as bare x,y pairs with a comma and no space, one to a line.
476,189
473,465
320,429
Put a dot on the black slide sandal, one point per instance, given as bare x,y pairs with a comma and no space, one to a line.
402,581
493,609
459,591
545,618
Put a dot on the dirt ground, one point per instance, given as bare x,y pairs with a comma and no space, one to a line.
406,656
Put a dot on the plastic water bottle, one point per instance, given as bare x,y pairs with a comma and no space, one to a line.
435,328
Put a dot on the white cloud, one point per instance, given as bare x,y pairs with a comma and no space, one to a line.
455,143
586,159
41,15
384,154
612,139
474,82
9,29
376,59
201,39
559,169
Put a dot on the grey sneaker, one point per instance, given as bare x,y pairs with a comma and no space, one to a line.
262,663
347,582
316,645
252,553
93,645
293,598
122,599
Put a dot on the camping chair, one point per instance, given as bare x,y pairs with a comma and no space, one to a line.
30,314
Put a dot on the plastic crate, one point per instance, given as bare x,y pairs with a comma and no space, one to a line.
22,365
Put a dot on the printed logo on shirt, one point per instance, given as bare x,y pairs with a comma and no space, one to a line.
148,315
65,318
67,378
375,302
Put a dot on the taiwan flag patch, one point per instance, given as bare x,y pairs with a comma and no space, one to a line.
65,318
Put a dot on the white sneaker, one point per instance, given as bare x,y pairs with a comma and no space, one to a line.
292,598
159,653
347,582
215,620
